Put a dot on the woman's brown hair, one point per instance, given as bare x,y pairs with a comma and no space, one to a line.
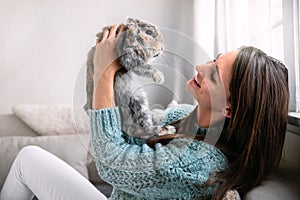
253,142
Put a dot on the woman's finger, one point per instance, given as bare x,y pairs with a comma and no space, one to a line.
113,30
105,34
122,29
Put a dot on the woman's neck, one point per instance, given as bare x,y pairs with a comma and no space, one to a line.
208,118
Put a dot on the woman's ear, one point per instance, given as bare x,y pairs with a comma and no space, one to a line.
227,112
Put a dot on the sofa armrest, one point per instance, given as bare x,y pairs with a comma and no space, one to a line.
284,183
11,125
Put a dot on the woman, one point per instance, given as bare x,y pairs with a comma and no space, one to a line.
243,93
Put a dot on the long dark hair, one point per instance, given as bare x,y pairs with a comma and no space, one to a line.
253,142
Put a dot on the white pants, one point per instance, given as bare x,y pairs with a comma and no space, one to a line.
40,173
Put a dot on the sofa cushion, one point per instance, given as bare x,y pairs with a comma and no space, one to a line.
53,119
70,148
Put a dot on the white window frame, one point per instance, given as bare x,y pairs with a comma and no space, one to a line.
291,50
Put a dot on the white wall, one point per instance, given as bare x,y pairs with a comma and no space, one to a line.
44,42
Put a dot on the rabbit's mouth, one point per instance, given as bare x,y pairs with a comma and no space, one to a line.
159,53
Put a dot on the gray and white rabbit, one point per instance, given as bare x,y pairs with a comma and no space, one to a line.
137,47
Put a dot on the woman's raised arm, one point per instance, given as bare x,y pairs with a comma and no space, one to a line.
105,67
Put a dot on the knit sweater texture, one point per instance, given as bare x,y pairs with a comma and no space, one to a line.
177,170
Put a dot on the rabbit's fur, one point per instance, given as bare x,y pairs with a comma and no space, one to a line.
138,45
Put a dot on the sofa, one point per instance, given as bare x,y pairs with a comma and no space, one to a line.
65,132
69,139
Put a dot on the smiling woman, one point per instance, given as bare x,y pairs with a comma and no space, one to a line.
251,138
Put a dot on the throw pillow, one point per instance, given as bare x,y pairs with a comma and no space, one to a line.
53,119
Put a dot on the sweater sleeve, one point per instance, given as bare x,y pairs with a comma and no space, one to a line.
177,112
142,171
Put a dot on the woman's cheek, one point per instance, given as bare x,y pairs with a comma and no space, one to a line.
218,99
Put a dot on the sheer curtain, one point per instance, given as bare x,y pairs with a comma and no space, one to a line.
233,23
271,25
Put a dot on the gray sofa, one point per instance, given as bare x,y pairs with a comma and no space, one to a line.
74,149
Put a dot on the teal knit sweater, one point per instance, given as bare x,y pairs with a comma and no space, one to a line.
177,170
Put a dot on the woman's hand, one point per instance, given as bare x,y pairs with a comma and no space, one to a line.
105,58
105,67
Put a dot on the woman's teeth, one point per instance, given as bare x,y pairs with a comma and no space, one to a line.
196,81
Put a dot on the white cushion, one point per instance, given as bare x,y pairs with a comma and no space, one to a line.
53,119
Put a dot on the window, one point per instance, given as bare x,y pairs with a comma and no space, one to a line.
271,25
291,49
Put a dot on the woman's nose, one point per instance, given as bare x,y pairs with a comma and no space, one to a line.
200,69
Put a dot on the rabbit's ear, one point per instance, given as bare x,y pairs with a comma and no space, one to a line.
129,19
132,20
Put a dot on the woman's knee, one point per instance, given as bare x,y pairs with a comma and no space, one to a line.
28,152
29,149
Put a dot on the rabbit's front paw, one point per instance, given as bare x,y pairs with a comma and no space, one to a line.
158,77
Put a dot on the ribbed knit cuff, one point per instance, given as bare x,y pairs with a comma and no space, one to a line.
105,121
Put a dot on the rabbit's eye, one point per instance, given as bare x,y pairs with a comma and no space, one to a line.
149,32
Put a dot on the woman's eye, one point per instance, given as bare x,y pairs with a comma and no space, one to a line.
149,32
212,77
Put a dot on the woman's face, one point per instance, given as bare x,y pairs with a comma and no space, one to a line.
210,86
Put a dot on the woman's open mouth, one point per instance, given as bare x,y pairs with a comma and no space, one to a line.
196,82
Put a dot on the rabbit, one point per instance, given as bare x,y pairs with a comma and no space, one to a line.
140,44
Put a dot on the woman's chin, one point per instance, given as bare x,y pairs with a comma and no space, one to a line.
190,89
